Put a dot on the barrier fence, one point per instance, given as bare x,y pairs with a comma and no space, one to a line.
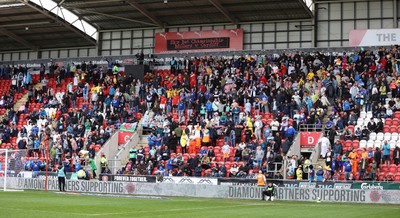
211,191
365,185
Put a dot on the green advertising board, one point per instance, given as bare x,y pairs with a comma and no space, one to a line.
376,185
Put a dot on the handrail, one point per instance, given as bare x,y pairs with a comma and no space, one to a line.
310,128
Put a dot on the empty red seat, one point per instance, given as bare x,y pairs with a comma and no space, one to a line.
397,177
380,176
393,168
356,144
387,129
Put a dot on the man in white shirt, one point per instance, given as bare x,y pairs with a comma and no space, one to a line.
274,126
325,144
258,127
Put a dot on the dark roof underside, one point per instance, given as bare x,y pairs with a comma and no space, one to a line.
46,32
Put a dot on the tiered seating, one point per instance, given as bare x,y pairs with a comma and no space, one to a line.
4,86
392,125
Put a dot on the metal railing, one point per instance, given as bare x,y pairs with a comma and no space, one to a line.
311,127
276,170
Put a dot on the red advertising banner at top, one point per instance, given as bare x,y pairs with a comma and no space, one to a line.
199,41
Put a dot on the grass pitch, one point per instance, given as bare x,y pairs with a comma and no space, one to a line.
39,204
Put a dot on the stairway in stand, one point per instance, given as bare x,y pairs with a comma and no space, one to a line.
24,98
321,161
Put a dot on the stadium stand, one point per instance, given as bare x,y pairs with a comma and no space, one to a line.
65,118
233,117
217,110
223,115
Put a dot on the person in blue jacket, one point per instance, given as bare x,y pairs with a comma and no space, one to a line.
290,133
209,109
181,108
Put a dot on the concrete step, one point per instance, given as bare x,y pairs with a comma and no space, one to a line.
24,98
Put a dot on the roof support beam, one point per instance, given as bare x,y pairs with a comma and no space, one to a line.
145,12
223,10
18,39
309,12
109,15
60,21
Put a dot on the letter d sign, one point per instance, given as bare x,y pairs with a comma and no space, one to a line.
310,140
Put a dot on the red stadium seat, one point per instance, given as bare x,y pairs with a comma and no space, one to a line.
393,168
393,129
387,129
380,176
395,122
356,144
397,177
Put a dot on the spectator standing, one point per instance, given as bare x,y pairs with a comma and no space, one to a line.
378,157
396,155
347,168
103,163
61,174
386,153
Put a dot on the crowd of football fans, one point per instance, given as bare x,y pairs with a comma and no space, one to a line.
232,116
216,116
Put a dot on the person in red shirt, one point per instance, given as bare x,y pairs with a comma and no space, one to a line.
163,102
283,70
263,80
193,80
202,88
180,78
175,101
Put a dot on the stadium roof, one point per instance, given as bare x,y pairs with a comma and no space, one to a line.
42,24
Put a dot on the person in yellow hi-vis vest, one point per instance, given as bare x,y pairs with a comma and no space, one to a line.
261,180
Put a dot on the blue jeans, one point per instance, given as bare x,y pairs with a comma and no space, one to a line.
236,119
259,162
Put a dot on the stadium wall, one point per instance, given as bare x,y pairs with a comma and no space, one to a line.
211,191
330,28
335,19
